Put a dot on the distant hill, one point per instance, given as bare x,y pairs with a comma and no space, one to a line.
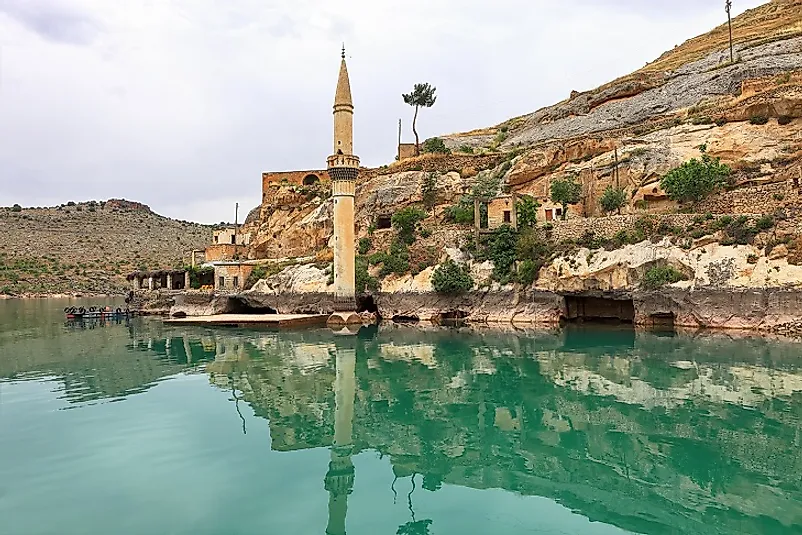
89,247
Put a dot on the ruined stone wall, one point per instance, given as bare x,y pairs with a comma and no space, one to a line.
442,163
291,177
608,227
231,277
406,151
760,199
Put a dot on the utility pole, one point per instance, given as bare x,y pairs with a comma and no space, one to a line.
728,8
399,140
236,221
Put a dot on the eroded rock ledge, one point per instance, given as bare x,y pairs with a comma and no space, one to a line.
769,310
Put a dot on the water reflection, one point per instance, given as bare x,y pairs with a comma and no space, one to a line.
647,433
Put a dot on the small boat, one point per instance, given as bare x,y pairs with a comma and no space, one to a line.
75,313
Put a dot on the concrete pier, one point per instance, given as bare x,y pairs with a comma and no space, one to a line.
253,320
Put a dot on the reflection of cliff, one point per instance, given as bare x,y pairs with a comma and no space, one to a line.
541,417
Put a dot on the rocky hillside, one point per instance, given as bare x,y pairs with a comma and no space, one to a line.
631,132
89,247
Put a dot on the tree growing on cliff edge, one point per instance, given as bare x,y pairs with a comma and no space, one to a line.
612,200
696,179
422,96
565,191
527,211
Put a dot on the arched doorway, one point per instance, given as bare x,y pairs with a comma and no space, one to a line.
311,180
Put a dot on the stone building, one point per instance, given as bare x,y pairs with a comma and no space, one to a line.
231,276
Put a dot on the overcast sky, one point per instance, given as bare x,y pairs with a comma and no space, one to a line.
182,104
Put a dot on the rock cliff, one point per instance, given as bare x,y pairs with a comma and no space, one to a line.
628,133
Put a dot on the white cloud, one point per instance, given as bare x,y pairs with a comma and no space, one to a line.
182,104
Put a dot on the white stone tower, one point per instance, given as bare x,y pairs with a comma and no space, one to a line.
343,169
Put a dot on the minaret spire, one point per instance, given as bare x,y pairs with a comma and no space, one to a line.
343,168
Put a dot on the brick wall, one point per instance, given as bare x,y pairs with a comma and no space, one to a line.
224,251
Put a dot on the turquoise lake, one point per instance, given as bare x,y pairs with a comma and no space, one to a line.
136,427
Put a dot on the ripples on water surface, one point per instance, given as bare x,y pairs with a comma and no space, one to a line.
139,428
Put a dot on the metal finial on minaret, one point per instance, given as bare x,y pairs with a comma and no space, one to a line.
343,50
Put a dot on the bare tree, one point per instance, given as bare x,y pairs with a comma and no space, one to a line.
728,8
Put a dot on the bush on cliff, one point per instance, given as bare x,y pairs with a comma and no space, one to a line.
258,273
526,211
501,250
364,281
565,191
696,179
365,244
435,145
406,223
451,279
658,276
612,200
461,213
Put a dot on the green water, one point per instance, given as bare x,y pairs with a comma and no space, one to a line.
140,428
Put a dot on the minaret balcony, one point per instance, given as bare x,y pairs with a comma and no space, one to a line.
343,160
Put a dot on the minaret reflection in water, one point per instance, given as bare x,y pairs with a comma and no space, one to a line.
340,478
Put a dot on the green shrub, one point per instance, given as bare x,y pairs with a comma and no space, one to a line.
425,233
612,199
501,250
566,191
364,281
696,179
461,213
257,273
784,120
721,121
429,190
467,149
396,261
365,244
758,119
16,208
658,276
547,226
526,211
406,223
451,279
528,272
765,222
779,197
435,145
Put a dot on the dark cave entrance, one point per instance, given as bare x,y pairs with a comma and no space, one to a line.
366,303
238,306
581,309
384,222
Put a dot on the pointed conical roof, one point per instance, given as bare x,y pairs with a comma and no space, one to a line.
343,95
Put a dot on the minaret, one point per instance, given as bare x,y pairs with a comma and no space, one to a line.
340,478
343,169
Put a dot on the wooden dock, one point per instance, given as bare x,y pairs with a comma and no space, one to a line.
253,320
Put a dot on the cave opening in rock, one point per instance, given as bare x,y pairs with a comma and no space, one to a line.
453,315
584,309
406,319
384,222
366,303
662,322
238,306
